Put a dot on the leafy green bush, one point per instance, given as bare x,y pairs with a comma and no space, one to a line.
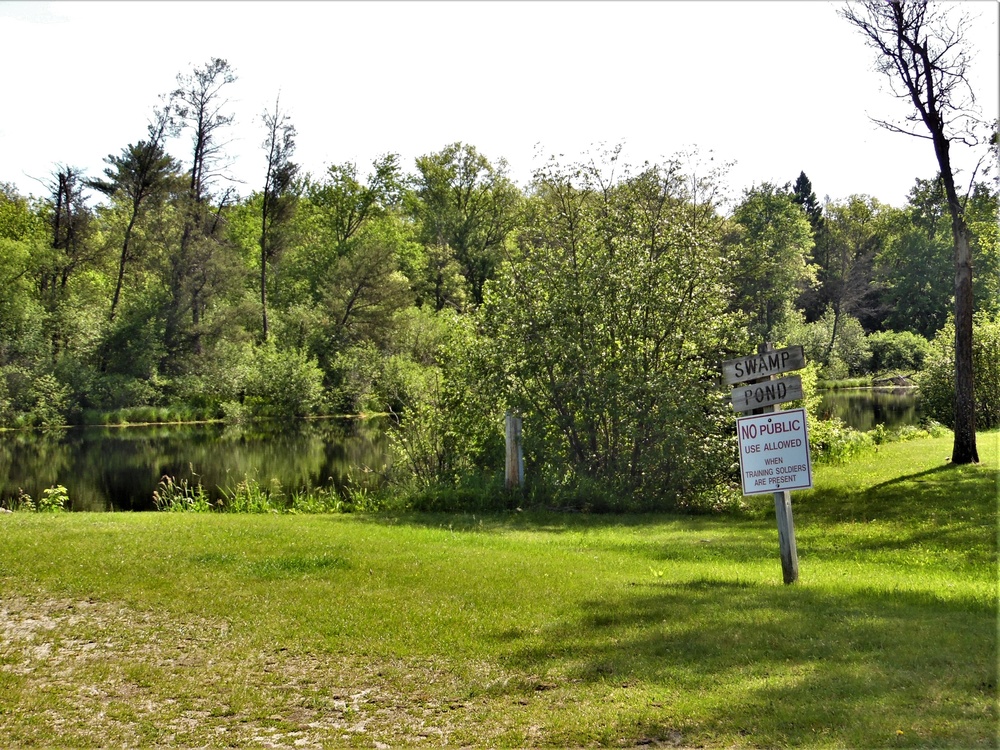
937,381
425,447
116,391
352,375
35,399
603,328
833,442
282,383
849,355
54,500
24,502
445,432
899,351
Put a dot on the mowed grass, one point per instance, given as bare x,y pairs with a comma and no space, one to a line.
517,630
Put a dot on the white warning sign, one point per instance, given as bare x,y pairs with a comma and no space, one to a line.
774,452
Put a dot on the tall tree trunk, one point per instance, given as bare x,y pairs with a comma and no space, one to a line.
263,249
121,265
263,290
964,449
833,333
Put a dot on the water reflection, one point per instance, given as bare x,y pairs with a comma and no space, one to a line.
118,468
864,408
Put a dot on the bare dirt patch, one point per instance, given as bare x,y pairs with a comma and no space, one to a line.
85,672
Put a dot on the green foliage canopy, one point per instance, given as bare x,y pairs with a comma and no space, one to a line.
604,327
767,256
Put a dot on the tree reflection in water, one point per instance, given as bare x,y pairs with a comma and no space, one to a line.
118,468
864,408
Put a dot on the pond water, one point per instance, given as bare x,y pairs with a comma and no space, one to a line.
119,468
864,408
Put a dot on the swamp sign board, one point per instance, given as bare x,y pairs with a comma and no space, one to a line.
759,366
756,395
774,452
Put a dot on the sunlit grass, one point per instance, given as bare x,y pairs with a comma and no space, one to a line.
520,629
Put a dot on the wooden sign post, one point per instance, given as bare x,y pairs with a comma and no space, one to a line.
759,396
514,457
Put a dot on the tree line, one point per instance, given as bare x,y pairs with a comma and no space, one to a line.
599,299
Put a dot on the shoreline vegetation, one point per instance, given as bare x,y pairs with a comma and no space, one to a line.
831,443
518,628
141,417
157,415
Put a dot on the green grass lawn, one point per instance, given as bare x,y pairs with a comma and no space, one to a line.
518,630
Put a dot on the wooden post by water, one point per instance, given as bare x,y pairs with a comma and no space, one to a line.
514,460
782,508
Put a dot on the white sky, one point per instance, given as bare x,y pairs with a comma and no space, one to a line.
779,87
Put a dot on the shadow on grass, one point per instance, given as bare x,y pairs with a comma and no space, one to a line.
961,491
760,660
950,508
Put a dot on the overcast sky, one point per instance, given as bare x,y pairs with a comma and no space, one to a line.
777,87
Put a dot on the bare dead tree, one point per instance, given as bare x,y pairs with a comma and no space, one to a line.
923,52
278,201
198,102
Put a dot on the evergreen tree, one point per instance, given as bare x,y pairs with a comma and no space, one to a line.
802,193
814,298
141,175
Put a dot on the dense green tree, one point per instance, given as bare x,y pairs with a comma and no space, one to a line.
19,218
803,195
983,218
850,355
915,264
897,351
343,282
281,383
813,300
438,280
366,289
345,202
469,205
332,213
855,231
767,257
24,236
937,381
70,225
70,251
604,326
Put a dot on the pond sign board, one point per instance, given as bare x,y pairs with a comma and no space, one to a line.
755,367
774,452
767,393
